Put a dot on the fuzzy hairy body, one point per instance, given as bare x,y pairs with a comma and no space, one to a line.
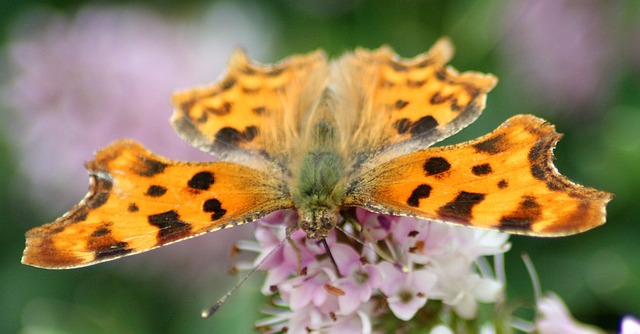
319,182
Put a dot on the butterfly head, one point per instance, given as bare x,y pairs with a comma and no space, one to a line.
318,221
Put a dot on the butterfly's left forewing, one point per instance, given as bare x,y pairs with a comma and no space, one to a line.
504,180
139,201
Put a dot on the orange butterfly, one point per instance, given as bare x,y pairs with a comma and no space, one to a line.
319,136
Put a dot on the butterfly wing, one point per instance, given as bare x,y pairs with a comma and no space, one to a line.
139,201
401,105
253,108
504,180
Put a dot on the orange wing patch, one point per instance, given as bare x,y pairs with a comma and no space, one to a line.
504,180
251,101
422,99
139,201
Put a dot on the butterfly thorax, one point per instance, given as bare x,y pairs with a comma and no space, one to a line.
319,189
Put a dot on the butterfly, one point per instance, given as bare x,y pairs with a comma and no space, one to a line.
319,136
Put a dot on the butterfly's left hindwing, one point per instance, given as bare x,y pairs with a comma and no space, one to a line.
139,201
504,180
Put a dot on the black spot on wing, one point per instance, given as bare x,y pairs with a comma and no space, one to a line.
538,160
133,207
203,118
402,125
228,83
441,74
528,212
386,84
275,72
415,83
424,124
459,210
420,192
436,165
398,66
503,184
540,157
215,207
201,181
481,170
101,190
109,251
400,104
99,232
156,191
233,137
248,70
78,215
104,246
250,132
424,63
493,145
229,136
250,91
438,99
454,105
150,167
187,106
259,110
170,226
224,109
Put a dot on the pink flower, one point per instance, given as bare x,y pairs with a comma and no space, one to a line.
554,318
359,282
309,289
406,292
356,322
377,225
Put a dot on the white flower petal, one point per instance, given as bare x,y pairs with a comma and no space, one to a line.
441,329
630,325
487,290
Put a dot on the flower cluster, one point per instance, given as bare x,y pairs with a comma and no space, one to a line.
391,271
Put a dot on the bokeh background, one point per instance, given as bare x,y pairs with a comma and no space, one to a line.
76,75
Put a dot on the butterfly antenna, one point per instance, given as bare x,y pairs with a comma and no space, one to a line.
206,313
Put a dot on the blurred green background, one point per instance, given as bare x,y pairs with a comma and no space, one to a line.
66,92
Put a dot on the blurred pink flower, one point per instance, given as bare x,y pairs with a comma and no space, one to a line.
108,73
562,53
555,318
